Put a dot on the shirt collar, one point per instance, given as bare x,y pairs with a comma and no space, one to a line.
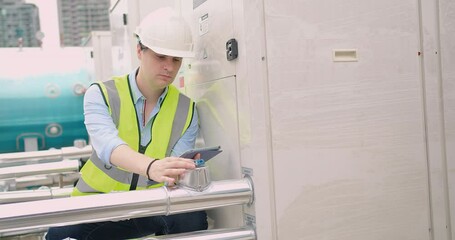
137,93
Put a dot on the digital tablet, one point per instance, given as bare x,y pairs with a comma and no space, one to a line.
206,152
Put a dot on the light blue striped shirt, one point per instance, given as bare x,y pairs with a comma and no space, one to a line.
103,133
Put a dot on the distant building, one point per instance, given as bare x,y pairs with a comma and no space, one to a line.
9,2
77,18
19,24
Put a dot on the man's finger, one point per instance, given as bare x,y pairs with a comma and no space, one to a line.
182,164
174,171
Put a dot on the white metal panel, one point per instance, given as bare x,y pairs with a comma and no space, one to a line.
121,49
348,137
447,57
434,116
212,22
209,80
217,109
254,114
102,54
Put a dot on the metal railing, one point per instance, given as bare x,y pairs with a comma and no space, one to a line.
34,195
31,182
41,174
20,217
24,212
18,158
40,168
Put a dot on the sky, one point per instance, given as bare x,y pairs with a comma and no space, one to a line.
48,22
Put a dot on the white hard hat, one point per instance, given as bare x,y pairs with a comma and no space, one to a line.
166,32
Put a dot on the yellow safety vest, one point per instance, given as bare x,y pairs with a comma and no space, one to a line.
168,126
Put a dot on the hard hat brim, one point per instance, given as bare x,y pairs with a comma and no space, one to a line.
172,53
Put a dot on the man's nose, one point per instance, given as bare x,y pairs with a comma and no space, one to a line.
169,65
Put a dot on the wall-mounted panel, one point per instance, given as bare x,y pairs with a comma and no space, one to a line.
348,137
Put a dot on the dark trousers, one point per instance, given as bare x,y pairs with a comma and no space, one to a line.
132,228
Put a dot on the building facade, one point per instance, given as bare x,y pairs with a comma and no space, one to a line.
77,18
19,24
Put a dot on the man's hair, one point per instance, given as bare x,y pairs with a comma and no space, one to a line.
142,46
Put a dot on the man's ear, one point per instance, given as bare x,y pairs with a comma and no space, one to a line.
138,51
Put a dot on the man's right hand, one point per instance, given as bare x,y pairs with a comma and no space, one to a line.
169,169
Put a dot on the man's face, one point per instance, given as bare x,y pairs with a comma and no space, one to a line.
159,70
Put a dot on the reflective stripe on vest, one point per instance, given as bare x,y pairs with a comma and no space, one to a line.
169,124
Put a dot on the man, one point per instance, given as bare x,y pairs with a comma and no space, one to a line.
138,125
